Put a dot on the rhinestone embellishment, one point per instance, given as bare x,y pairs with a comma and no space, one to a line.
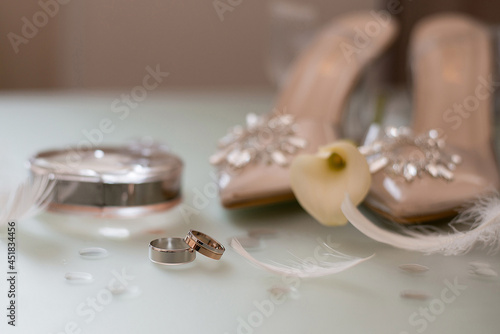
401,153
270,139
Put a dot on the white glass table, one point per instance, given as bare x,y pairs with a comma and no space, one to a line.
228,296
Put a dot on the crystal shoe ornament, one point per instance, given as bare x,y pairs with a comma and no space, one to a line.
404,154
270,139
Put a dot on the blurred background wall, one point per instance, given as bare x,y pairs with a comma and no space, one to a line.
94,44
108,43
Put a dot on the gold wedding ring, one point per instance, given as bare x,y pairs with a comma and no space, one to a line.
204,244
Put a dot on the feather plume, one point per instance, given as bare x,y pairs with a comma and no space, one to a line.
481,223
27,200
302,268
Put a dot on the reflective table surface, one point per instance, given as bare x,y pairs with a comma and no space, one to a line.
130,294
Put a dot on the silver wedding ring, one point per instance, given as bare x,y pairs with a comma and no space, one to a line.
204,244
170,251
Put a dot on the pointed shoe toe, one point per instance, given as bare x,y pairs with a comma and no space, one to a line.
427,198
263,183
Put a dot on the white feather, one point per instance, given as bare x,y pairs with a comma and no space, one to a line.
27,200
482,222
302,268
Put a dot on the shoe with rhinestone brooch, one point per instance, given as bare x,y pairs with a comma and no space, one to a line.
446,159
252,161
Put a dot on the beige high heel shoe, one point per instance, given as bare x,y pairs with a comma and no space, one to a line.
253,161
446,158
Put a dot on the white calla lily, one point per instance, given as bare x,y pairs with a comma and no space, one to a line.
321,181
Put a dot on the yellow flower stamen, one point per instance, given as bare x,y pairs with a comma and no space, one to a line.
336,162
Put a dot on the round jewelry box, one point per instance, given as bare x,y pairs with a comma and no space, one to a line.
112,182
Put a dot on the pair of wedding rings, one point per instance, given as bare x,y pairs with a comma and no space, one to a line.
170,251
